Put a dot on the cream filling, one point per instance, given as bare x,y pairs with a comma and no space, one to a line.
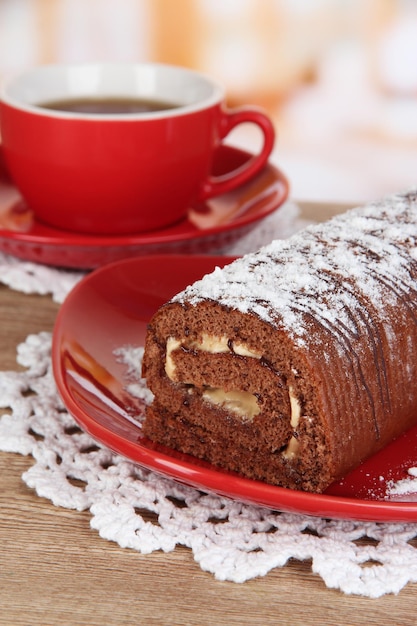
208,343
293,445
242,403
172,345
216,345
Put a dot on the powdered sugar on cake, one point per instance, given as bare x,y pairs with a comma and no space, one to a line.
328,271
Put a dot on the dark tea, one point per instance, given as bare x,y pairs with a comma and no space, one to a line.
106,106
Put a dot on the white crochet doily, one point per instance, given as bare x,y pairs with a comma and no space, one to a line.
233,541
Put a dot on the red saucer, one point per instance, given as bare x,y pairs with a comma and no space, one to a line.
219,222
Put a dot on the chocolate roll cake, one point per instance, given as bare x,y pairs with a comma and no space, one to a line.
295,363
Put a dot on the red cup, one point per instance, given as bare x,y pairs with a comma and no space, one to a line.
119,173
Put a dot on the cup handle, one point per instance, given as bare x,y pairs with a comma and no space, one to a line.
230,118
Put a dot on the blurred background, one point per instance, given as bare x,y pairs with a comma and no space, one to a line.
339,77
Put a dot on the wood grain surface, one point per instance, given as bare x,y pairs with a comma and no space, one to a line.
56,570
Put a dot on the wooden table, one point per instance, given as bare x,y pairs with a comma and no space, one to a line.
55,570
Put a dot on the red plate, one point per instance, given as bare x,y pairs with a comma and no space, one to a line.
109,309
210,226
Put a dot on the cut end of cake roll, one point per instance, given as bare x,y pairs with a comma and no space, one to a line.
295,363
226,391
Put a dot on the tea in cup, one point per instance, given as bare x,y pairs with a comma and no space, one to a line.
119,148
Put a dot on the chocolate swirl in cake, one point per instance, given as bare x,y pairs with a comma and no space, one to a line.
295,363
